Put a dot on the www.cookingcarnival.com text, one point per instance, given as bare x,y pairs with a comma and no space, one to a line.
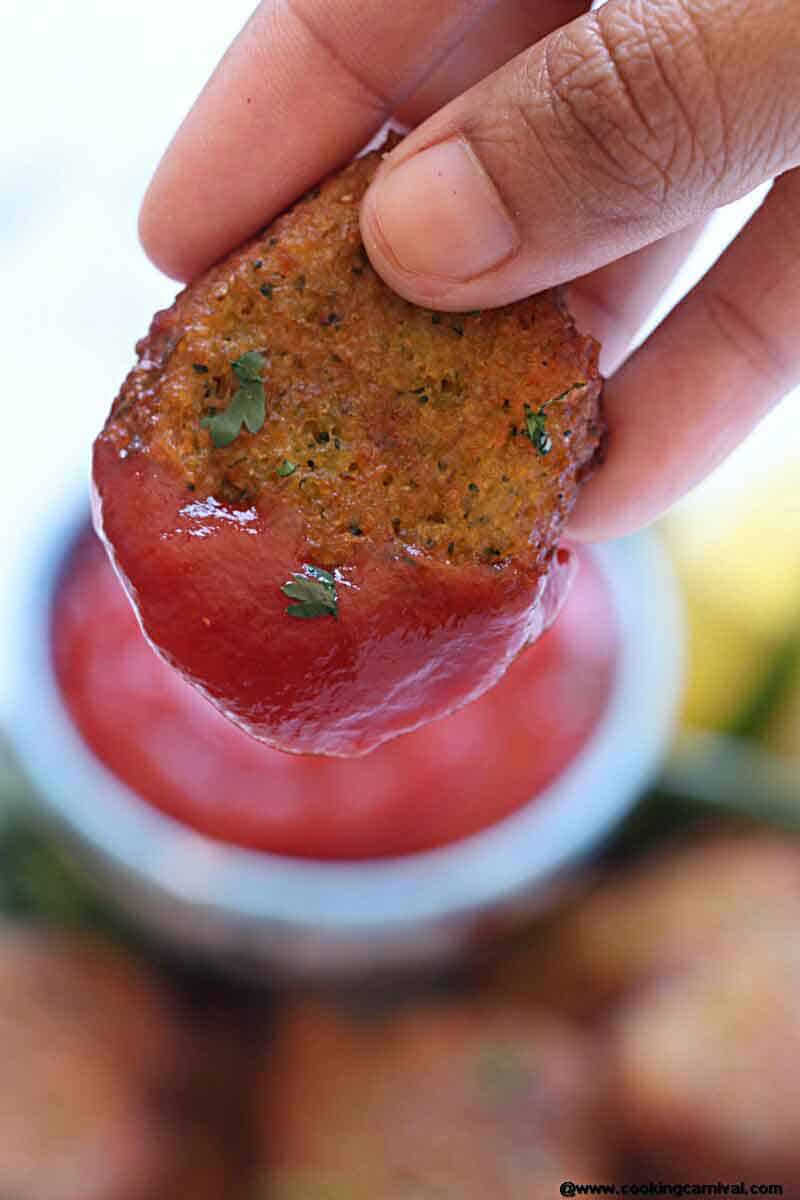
570,1188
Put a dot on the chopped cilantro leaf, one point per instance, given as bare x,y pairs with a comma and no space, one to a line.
248,406
287,467
536,422
249,368
536,429
315,593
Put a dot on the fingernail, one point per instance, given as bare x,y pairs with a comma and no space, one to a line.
439,214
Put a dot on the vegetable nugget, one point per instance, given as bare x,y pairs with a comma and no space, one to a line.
338,513
450,1100
703,1063
88,1043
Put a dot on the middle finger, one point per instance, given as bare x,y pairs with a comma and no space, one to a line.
507,29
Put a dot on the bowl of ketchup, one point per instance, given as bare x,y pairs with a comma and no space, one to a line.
306,865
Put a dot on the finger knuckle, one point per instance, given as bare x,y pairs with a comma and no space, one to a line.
367,88
750,341
631,91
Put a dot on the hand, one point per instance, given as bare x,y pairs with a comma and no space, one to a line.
547,151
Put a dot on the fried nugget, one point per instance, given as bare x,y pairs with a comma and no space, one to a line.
449,1100
338,513
704,1063
628,928
94,1077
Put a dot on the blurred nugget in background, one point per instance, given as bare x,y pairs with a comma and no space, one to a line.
460,1100
705,1063
685,972
668,909
96,1080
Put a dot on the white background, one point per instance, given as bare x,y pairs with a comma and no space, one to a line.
90,93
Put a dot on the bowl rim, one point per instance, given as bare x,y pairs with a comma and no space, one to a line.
525,849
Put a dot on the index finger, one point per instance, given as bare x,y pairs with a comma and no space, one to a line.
301,89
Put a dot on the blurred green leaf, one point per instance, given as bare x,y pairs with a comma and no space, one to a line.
776,684
37,879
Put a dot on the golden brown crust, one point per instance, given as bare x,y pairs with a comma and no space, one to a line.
103,1088
703,1061
405,426
85,1038
624,929
449,1100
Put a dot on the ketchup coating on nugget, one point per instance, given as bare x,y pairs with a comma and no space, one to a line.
443,782
338,514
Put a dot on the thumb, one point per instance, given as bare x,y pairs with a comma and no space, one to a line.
615,130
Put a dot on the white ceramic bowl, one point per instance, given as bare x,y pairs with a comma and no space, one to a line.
272,914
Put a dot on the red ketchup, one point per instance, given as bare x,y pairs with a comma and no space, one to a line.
440,783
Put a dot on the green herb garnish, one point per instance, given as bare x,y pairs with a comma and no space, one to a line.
315,592
536,429
248,406
536,422
287,467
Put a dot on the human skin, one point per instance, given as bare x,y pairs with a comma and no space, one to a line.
552,144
